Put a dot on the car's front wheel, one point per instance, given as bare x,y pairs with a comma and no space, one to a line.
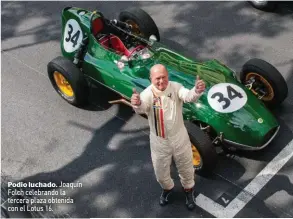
203,150
68,81
265,81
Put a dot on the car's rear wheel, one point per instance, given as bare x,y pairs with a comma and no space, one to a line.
68,81
203,150
265,81
142,23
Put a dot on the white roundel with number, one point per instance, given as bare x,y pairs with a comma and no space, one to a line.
226,97
72,36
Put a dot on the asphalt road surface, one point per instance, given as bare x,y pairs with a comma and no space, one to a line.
106,147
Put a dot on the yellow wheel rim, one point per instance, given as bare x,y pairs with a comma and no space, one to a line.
63,84
270,95
135,28
196,157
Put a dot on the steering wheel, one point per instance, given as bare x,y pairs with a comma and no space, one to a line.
139,47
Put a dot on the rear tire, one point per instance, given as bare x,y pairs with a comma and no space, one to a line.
205,148
275,80
73,76
146,24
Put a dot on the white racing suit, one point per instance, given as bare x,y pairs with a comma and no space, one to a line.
168,135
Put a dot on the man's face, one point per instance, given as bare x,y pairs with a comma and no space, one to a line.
159,78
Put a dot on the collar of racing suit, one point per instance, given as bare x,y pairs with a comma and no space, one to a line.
158,92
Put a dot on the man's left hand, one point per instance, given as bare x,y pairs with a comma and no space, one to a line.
199,85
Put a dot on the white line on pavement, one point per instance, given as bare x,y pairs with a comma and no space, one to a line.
250,190
14,57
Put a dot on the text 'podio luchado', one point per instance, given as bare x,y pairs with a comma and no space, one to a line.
32,185
70,185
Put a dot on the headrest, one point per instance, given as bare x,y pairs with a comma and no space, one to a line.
97,25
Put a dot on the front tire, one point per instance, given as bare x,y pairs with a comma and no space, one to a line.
204,152
268,78
68,81
142,23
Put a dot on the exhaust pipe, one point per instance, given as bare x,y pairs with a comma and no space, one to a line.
121,101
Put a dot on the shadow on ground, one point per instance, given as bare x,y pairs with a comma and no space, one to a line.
193,20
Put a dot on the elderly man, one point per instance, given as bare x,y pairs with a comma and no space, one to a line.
162,102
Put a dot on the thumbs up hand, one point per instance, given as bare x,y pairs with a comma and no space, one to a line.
199,85
135,98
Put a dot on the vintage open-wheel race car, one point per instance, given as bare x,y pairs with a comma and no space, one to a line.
233,113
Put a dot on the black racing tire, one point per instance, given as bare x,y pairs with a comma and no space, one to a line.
264,5
74,78
205,148
146,24
271,75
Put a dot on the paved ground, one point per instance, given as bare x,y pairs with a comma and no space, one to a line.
106,147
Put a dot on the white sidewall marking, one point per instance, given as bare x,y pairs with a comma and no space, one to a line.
68,45
245,196
233,105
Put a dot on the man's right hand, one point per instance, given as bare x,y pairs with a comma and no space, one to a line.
135,98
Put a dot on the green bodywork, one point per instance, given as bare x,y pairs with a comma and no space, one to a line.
241,126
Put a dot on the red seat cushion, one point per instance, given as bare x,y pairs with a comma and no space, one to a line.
116,44
97,26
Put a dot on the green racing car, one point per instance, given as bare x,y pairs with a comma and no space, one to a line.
118,53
